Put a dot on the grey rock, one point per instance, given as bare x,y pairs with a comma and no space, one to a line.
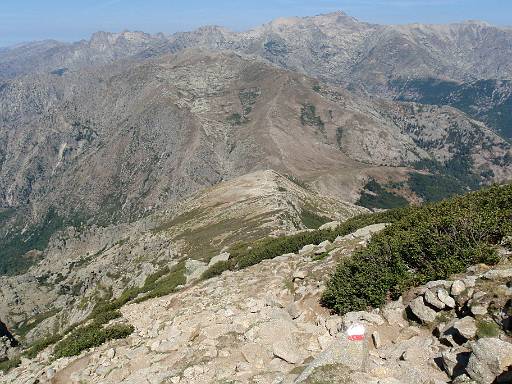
351,354
362,317
256,355
470,281
287,350
394,313
463,379
300,274
455,361
307,249
334,325
331,225
479,306
490,357
443,296
294,309
466,327
433,300
439,283
458,287
222,257
498,274
194,269
376,339
421,311
50,373
464,297
324,244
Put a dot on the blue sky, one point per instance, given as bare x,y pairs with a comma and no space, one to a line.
70,20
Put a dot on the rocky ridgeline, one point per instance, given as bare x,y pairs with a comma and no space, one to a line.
264,324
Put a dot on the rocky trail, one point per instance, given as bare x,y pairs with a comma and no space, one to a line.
264,324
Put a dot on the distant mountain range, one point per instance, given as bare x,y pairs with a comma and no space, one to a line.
333,47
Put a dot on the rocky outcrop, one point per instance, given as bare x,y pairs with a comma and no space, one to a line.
490,361
264,324
7,342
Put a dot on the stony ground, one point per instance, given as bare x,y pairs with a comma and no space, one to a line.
264,325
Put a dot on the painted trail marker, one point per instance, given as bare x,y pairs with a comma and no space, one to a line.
356,332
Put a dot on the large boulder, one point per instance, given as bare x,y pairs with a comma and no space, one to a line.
455,361
224,256
287,350
466,327
256,355
479,303
194,269
498,274
458,287
444,296
432,299
351,354
330,226
7,341
362,317
424,313
490,358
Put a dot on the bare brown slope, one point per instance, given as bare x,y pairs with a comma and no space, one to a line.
115,142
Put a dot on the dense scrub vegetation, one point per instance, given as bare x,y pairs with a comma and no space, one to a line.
9,364
244,255
468,97
435,187
445,180
376,196
311,220
92,335
12,248
308,116
427,243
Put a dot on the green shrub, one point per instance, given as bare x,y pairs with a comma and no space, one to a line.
165,286
435,187
106,317
429,242
216,269
158,284
320,256
311,220
9,364
308,117
244,255
40,345
379,197
487,329
92,335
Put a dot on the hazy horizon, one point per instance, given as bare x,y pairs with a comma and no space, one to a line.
29,20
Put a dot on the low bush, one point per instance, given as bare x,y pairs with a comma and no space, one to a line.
40,345
376,196
487,329
165,285
9,364
245,255
311,220
216,269
425,243
92,335
158,284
